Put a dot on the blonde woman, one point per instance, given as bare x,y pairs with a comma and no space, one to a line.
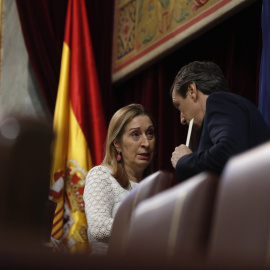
130,147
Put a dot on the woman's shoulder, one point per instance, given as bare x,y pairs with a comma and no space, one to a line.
100,173
98,181
100,169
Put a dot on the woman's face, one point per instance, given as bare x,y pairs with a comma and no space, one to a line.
137,144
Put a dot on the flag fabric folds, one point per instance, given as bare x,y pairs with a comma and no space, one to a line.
264,87
80,130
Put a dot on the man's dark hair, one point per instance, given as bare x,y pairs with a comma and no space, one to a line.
207,76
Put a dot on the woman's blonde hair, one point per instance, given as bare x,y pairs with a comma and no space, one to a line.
115,131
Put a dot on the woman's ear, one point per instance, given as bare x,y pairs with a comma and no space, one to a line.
117,145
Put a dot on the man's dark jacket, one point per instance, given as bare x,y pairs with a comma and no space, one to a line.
231,125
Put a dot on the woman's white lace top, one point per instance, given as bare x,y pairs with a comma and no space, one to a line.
102,197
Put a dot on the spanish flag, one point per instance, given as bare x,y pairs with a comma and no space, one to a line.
79,128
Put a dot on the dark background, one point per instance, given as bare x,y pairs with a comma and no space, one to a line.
234,44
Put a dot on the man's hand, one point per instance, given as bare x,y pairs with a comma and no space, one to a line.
179,151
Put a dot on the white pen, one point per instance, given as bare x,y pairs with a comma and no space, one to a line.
189,131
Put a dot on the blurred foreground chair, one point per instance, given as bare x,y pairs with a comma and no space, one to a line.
151,185
25,161
171,229
241,227
26,213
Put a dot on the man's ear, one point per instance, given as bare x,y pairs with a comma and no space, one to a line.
192,91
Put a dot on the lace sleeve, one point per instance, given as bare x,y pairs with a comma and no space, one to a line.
98,198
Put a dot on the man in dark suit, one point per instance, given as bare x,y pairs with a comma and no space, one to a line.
228,123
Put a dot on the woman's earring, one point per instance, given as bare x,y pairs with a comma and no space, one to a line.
119,157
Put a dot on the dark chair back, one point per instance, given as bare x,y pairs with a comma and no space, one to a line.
25,161
151,185
241,225
172,227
